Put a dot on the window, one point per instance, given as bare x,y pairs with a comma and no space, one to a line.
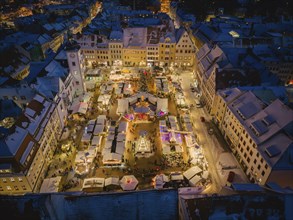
263,173
8,188
266,166
73,64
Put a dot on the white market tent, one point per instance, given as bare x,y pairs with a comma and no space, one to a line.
90,128
120,148
79,107
162,104
191,172
112,129
112,158
194,180
205,174
110,137
80,157
172,118
122,127
95,184
188,127
90,154
162,123
166,149
186,119
121,137
108,145
175,176
160,180
101,120
92,122
98,129
178,149
123,105
51,185
85,97
128,182
96,141
112,181
86,137
194,161
106,151
104,99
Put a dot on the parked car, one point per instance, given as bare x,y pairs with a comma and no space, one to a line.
202,119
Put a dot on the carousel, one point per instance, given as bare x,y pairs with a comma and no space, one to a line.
143,110
142,107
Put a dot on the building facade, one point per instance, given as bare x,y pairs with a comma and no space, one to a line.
256,134
26,153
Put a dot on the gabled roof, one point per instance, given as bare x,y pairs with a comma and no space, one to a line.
178,33
280,114
49,86
135,37
205,33
116,35
9,109
54,68
14,141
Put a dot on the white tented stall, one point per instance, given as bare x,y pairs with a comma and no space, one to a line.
93,184
194,180
191,172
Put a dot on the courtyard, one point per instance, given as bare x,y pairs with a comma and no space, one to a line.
147,132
